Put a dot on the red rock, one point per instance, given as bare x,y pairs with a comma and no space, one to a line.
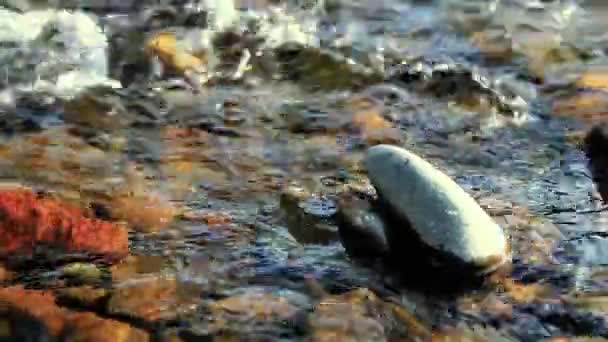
29,219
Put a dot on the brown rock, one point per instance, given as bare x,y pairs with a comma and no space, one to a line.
88,327
493,44
144,213
252,308
258,306
373,127
309,217
5,275
76,326
469,334
207,217
596,79
85,296
152,298
527,293
135,267
591,106
96,108
353,316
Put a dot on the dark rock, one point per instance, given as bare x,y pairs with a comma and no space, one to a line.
362,230
309,217
461,83
595,148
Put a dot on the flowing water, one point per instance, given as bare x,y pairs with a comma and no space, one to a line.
482,89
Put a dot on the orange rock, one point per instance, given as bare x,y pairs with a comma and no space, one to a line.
39,304
29,219
164,46
259,306
88,327
209,218
493,44
135,267
172,133
143,213
594,79
40,140
151,298
369,119
59,321
354,316
374,128
525,293
588,106
5,275
468,334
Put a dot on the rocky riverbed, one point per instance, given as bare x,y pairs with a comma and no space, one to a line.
202,170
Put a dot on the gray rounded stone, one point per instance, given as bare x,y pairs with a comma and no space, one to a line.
440,212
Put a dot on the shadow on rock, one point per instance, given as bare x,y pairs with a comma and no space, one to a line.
365,233
19,326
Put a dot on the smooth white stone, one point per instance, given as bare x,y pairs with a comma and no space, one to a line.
440,211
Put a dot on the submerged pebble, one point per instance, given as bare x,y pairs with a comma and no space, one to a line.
309,217
440,213
362,231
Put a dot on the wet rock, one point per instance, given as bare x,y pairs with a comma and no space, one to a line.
60,322
309,217
18,326
432,208
595,78
84,296
467,86
30,220
252,305
594,145
588,100
89,327
589,301
468,16
97,108
135,267
145,213
493,44
368,119
151,299
127,60
588,249
318,69
590,106
362,230
474,333
5,274
176,60
82,273
251,313
353,316
303,118
207,217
